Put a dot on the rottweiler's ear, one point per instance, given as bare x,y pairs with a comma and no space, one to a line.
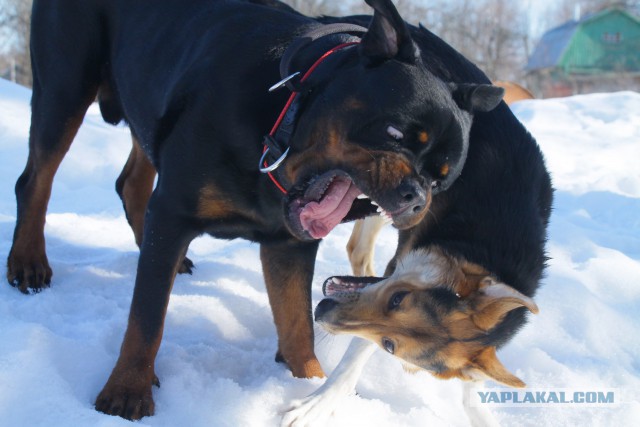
494,300
388,35
476,97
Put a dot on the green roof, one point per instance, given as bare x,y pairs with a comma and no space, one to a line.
607,41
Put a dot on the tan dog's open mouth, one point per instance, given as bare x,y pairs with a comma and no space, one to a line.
334,286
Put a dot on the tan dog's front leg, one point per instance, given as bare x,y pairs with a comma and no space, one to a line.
478,416
342,382
361,244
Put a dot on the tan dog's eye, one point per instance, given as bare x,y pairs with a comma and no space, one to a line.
388,345
396,299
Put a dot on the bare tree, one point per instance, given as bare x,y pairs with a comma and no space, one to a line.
492,33
15,24
566,10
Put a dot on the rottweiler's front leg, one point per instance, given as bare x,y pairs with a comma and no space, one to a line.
288,271
128,390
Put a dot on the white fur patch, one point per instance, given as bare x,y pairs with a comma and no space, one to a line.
428,265
500,290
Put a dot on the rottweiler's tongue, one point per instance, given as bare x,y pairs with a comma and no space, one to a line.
319,218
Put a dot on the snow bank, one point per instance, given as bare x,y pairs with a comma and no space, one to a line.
216,360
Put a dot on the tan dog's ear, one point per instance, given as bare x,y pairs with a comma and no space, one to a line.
494,300
486,364
469,281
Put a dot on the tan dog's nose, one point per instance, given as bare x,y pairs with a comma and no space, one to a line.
324,307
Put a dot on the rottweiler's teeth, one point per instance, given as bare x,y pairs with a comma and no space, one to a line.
375,204
384,214
362,196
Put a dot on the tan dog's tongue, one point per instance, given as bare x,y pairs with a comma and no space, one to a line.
319,218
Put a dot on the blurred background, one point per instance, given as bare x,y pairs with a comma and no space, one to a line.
554,48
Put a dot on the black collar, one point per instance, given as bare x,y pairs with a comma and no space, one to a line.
276,143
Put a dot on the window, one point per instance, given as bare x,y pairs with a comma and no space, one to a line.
612,38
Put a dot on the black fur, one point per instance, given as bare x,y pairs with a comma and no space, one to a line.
497,212
190,77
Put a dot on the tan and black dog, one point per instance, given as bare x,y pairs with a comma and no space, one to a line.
192,79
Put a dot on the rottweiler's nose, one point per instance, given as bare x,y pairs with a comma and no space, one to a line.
413,197
324,307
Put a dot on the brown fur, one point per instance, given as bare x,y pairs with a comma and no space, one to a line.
378,172
440,332
382,169
212,204
134,370
27,263
135,185
295,331
423,137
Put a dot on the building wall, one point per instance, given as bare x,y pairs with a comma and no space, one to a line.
609,42
555,84
602,55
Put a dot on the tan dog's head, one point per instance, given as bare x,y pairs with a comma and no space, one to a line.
435,313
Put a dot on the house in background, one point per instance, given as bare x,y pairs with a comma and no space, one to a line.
598,53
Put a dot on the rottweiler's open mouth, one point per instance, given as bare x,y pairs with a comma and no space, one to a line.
316,208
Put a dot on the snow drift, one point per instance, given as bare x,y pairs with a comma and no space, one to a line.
216,360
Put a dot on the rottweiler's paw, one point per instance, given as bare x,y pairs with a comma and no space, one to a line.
28,272
308,369
301,367
130,402
186,267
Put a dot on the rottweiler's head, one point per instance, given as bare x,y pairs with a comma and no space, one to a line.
435,312
377,133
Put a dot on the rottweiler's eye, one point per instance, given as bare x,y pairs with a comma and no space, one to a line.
396,299
394,133
388,345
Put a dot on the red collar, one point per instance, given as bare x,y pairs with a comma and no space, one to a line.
264,167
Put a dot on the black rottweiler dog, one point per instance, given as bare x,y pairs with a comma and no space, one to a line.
191,78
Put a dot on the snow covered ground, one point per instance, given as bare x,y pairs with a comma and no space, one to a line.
216,360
